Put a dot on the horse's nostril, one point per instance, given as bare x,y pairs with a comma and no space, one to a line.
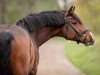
92,41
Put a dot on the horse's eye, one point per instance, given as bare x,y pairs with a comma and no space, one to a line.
74,22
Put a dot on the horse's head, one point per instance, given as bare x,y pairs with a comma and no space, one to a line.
75,29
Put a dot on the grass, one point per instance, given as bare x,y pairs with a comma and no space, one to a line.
87,59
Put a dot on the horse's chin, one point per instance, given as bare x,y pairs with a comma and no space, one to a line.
87,43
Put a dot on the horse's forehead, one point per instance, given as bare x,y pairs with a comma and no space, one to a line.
76,18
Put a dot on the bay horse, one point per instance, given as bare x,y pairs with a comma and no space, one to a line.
20,42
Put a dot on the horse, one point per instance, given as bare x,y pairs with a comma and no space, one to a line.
19,43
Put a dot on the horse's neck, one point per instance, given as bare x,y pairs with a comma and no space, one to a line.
44,34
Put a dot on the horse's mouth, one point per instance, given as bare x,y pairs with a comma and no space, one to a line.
89,43
86,42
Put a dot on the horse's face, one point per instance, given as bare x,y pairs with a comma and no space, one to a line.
75,29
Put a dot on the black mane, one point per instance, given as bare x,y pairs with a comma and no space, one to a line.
43,19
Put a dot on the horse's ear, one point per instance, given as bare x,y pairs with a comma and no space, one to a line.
71,10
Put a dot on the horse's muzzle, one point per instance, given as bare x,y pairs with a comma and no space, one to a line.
89,42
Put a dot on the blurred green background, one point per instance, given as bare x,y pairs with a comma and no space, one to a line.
86,58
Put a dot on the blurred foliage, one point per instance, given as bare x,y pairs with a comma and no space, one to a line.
89,11
16,9
85,58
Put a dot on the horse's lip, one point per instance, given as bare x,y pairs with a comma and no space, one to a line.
89,43
85,42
